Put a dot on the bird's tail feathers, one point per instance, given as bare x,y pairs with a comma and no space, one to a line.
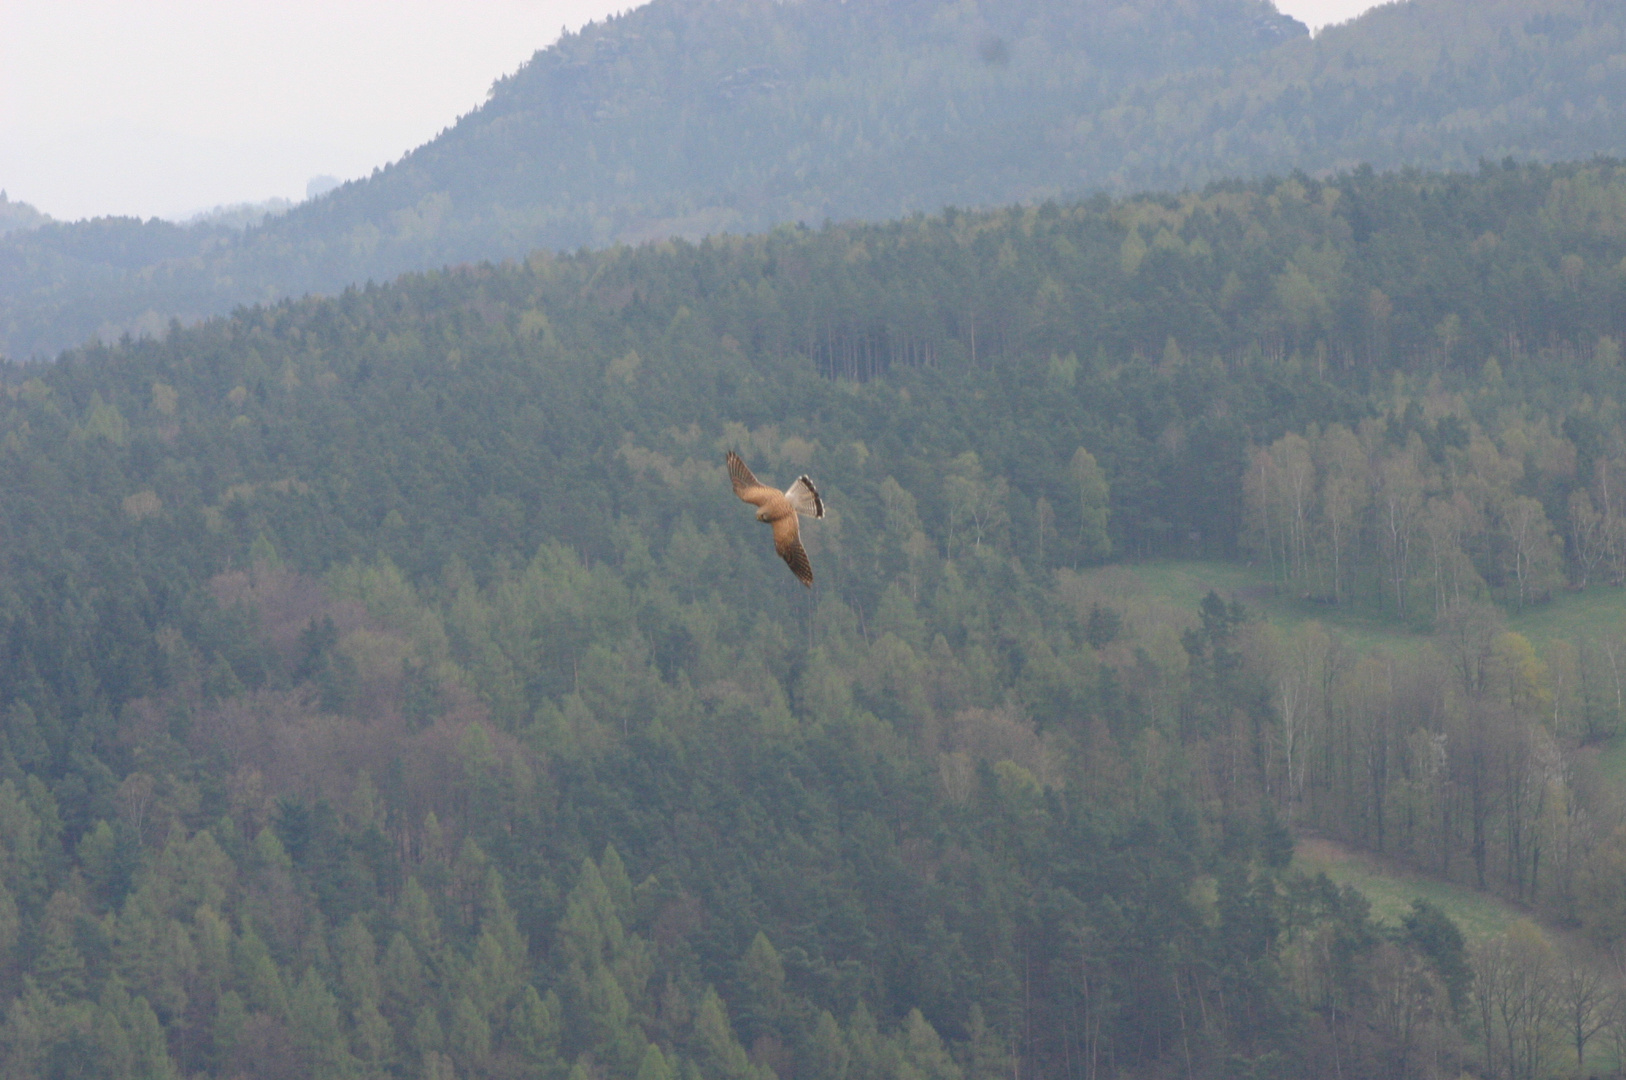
805,498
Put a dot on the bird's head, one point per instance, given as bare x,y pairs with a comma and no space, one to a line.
762,514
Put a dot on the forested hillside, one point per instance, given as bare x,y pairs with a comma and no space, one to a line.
685,118
17,215
680,117
393,686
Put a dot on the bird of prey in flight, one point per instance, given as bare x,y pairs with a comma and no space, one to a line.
781,510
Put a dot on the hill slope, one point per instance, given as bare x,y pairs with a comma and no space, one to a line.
679,117
392,681
690,118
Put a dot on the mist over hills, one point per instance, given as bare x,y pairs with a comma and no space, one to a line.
686,118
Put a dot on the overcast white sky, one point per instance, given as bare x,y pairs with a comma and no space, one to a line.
168,107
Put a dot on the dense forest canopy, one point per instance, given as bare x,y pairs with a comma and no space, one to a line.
392,685
689,118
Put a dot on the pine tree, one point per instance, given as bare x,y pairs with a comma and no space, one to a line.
590,934
715,1049
533,1030
923,1049
60,969
316,1026
616,883
258,975
653,1066
401,980
469,1036
358,966
149,1050
427,1035
764,978
497,965
825,1056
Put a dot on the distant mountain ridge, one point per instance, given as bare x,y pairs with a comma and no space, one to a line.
688,117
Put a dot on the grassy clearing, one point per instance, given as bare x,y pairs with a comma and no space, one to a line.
1612,760
1185,582
1182,583
1573,616
1390,889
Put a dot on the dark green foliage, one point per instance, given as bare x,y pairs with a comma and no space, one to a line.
1434,934
330,671
1104,626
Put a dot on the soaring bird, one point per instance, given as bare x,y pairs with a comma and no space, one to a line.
781,510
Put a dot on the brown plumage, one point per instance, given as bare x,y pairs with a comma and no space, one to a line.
781,509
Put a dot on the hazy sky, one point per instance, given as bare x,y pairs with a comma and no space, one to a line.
169,107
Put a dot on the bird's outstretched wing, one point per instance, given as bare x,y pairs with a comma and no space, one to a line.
787,540
780,509
805,498
747,486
